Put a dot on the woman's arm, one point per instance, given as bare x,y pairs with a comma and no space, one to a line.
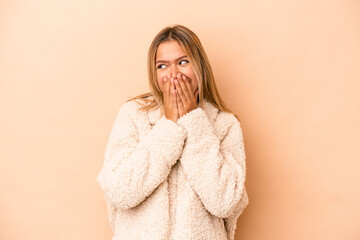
133,168
216,170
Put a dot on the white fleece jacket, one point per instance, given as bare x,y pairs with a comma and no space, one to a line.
174,181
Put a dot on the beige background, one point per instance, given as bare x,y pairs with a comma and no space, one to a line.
289,69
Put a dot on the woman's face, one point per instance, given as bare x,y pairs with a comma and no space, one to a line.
171,59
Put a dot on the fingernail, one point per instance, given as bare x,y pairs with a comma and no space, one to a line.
172,79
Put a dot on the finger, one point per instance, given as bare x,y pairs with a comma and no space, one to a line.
185,95
176,96
187,83
168,77
180,92
179,103
172,90
184,83
165,89
180,85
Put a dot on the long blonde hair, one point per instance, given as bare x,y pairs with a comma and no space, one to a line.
198,60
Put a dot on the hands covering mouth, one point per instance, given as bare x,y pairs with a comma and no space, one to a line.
178,96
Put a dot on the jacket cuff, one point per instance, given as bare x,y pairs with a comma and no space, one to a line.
197,123
170,129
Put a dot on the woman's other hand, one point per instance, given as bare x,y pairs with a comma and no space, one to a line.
186,100
170,99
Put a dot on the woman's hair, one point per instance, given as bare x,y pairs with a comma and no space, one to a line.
198,60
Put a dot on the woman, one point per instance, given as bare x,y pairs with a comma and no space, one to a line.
174,166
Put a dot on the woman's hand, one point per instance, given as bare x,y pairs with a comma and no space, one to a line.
186,100
170,99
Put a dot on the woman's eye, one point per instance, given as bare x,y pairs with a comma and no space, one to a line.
160,65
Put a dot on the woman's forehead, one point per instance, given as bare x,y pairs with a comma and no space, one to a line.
169,50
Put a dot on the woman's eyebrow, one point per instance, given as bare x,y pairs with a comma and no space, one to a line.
175,59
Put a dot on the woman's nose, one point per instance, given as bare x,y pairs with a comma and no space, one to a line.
174,71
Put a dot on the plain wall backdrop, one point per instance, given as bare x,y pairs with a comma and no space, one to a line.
288,69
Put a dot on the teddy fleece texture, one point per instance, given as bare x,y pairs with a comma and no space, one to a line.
165,180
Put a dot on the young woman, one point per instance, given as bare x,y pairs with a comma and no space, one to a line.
174,166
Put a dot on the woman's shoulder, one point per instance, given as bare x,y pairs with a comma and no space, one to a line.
227,117
128,109
228,122
129,105
133,106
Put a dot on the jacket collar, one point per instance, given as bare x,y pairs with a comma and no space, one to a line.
210,110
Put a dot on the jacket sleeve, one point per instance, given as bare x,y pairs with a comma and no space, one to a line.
215,169
230,222
134,166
